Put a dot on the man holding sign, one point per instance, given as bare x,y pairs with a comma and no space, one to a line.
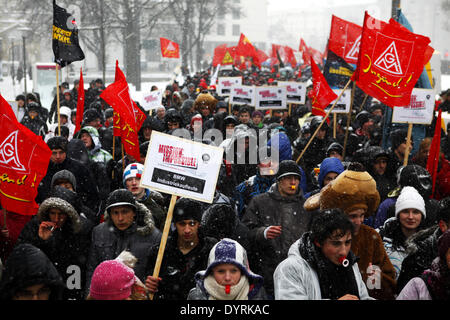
189,170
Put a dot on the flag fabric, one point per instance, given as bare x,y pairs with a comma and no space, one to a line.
126,123
345,39
24,159
282,55
80,103
391,60
262,56
321,94
169,49
223,55
434,153
65,37
246,49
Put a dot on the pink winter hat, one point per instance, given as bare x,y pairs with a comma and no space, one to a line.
112,280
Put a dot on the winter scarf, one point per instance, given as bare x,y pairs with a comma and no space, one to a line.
217,292
335,281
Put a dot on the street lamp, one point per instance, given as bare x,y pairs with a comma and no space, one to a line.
24,31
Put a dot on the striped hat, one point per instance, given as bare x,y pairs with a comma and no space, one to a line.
133,170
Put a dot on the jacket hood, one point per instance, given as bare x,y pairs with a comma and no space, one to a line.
229,251
77,150
144,219
329,165
64,200
95,137
27,266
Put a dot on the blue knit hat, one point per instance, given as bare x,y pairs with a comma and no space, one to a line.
133,170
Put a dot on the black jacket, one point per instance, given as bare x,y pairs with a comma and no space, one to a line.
108,242
68,246
273,209
27,266
178,270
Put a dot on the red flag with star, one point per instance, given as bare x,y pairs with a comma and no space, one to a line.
321,94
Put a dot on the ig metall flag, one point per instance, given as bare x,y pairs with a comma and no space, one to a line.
65,37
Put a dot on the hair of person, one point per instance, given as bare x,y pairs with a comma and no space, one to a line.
331,223
444,210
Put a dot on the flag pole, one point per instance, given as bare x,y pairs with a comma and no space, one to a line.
113,149
165,234
57,98
408,144
123,157
324,119
363,103
349,117
334,125
290,108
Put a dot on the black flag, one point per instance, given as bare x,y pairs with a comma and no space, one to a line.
65,37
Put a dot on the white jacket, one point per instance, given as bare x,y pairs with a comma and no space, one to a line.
294,279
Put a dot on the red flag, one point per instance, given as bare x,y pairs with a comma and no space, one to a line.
223,56
117,95
246,49
435,150
169,49
321,94
345,39
80,103
262,56
24,159
391,60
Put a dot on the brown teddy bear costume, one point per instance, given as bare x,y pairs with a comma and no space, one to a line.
205,99
353,190
350,190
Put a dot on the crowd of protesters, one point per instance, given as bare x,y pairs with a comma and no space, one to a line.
346,221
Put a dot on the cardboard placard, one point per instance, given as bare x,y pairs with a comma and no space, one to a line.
243,95
152,100
343,105
419,111
181,167
270,97
224,85
295,91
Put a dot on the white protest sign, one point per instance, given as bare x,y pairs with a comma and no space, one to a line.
243,95
181,167
295,91
343,105
224,85
419,111
270,97
152,100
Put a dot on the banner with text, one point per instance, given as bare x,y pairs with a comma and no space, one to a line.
295,91
152,100
270,97
243,95
419,111
182,167
343,105
224,85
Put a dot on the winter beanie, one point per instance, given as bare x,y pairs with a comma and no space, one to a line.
57,142
410,198
288,168
133,170
187,209
112,280
64,175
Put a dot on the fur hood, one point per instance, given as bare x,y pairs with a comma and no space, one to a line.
64,206
144,219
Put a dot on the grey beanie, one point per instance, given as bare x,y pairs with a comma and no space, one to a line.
64,175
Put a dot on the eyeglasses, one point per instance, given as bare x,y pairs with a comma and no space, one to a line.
41,294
